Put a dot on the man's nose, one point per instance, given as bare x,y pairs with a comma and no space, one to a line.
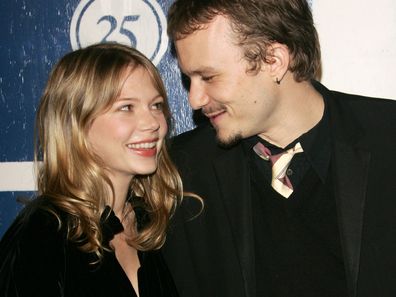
197,96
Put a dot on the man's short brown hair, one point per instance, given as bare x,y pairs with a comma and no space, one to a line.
257,24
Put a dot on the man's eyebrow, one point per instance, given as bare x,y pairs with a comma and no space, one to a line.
200,71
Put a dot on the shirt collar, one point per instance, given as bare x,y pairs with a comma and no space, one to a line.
111,225
315,142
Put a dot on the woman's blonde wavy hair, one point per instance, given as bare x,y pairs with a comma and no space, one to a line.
82,85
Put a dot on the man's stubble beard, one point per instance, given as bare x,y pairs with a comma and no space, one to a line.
230,141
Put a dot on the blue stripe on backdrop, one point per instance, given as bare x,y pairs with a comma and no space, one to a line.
33,35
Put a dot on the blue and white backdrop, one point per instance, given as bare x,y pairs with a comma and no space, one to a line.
358,46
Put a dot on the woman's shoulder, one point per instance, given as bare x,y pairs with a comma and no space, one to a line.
32,250
41,212
38,221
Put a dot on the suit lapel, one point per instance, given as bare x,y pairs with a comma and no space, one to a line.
233,177
350,171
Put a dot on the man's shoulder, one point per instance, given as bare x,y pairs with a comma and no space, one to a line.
371,111
361,100
197,148
204,131
199,139
372,118
355,100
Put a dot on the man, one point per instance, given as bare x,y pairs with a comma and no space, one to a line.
297,181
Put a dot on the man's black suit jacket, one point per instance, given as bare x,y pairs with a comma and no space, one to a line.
212,254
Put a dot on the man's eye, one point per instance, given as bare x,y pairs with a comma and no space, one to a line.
207,78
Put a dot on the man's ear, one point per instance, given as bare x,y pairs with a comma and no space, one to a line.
278,61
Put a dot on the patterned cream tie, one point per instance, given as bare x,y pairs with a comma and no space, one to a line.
280,162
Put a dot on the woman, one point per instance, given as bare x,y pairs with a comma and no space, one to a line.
106,185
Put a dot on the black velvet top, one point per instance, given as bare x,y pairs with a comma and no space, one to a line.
36,259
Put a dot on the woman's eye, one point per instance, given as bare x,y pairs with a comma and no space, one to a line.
127,107
158,106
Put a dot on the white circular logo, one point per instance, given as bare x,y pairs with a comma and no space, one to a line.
138,23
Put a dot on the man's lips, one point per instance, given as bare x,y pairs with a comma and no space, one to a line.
215,114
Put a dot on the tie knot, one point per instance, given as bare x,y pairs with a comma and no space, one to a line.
280,162
295,150
265,153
